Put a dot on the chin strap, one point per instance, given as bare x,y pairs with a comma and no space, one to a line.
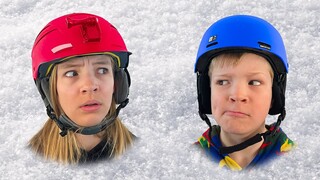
205,118
65,124
253,140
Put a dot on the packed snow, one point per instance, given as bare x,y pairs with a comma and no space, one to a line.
163,36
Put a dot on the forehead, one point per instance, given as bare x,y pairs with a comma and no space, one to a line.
235,59
91,59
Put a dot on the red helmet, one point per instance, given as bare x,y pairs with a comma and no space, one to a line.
74,35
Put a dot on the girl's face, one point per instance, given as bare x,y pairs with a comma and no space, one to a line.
241,95
85,86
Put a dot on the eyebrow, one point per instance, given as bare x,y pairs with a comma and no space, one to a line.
257,73
102,62
79,64
248,74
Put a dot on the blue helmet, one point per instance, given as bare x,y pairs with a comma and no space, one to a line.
242,33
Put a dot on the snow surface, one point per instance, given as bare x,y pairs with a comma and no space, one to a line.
164,36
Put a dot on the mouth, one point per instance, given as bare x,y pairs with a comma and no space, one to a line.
91,106
236,114
91,103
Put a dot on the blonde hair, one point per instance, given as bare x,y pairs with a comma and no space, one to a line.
48,142
229,59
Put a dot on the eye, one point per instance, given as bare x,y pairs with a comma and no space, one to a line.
222,82
255,83
103,70
71,73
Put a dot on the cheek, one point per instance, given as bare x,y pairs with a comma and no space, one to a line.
109,88
64,97
66,94
268,102
216,101
263,103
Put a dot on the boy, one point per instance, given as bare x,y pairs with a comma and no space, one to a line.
241,71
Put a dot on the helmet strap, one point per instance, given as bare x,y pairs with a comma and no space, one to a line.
205,118
279,120
65,124
253,140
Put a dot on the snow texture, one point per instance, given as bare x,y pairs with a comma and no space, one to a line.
164,36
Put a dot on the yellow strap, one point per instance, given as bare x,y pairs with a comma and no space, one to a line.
287,146
230,163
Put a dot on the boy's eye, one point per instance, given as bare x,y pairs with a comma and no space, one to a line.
255,83
102,70
71,73
222,82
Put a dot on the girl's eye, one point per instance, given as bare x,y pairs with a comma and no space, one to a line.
102,70
222,82
255,83
71,73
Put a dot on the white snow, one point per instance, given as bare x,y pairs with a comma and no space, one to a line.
164,36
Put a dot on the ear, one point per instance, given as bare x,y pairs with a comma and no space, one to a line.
277,104
204,93
121,85
43,87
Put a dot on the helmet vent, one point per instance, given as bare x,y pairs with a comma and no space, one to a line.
264,46
212,44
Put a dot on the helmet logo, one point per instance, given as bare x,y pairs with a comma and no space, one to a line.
212,38
89,28
212,41
264,46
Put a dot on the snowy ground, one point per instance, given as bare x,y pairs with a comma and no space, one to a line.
164,36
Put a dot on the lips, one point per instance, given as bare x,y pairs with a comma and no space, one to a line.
91,106
236,114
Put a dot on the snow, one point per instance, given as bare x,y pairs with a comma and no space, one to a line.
164,36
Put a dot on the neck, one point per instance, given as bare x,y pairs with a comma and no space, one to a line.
231,139
245,156
87,142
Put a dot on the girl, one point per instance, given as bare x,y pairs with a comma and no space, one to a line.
79,64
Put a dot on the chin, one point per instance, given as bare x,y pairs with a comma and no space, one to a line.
91,122
235,130
243,132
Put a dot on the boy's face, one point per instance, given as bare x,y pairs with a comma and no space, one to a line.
241,95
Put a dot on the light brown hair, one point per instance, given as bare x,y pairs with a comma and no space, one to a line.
229,59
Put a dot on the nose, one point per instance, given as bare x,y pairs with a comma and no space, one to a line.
89,84
239,93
